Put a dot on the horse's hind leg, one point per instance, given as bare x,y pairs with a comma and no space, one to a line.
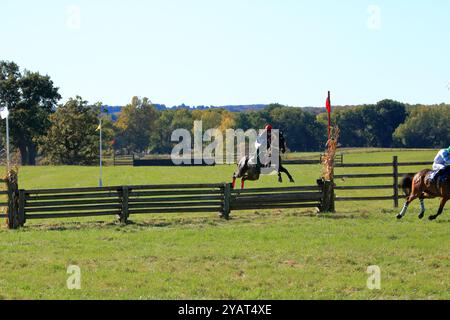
422,208
280,179
441,209
283,169
410,199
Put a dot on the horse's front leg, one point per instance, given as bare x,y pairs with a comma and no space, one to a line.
441,209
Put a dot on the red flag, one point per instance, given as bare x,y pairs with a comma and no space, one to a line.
328,105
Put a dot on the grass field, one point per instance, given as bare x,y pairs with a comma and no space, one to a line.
276,254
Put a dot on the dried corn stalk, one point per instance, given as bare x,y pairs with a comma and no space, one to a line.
328,158
11,184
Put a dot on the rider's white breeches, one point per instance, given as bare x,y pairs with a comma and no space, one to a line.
437,166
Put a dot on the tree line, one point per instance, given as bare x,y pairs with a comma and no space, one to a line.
66,133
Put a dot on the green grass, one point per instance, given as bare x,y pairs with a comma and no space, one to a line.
279,254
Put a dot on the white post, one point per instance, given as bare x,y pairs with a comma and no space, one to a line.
8,157
100,182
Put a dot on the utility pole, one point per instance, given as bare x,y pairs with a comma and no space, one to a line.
4,113
8,156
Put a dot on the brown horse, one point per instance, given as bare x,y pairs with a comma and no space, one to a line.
420,187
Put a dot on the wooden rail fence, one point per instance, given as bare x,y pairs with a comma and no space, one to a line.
132,160
394,174
276,198
123,201
116,160
4,203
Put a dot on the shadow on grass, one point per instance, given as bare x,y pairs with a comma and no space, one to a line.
257,217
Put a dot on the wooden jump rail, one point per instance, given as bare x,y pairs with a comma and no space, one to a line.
276,198
395,174
123,201
3,193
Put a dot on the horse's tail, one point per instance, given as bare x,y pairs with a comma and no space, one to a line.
407,183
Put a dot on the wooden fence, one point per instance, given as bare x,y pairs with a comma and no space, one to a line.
394,174
276,198
165,161
169,163
4,202
123,201
116,160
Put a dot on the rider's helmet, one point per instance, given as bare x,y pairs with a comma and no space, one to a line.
269,128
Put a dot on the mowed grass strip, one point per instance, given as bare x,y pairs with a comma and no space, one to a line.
265,255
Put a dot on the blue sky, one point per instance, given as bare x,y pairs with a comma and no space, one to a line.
236,51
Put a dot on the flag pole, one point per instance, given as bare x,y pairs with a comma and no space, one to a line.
8,157
329,116
100,182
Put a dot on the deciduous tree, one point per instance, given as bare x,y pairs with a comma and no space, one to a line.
72,138
31,98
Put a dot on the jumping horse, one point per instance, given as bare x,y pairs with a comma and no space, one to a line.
249,171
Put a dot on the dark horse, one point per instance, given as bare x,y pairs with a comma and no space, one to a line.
420,187
249,171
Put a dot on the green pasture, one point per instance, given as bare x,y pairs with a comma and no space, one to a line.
272,254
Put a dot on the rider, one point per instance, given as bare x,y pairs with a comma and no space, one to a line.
264,139
441,161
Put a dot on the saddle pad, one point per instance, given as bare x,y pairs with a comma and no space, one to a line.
445,174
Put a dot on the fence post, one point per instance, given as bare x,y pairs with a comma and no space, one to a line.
226,201
327,196
124,212
22,217
12,185
395,169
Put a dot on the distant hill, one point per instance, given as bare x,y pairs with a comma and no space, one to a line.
115,110
231,108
